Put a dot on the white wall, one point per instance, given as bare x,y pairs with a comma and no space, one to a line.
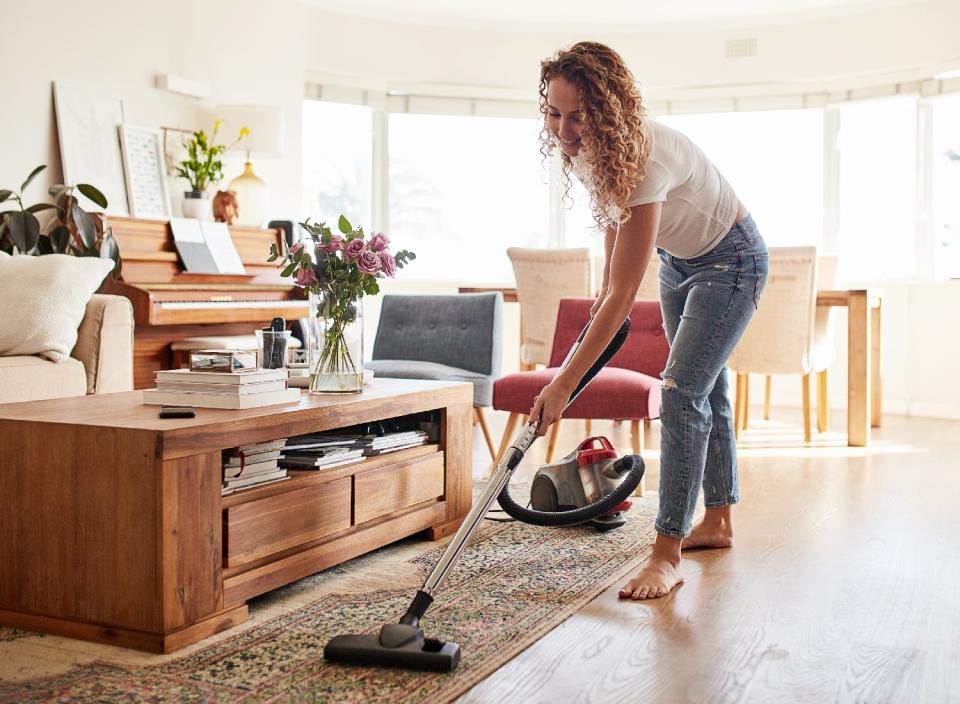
261,51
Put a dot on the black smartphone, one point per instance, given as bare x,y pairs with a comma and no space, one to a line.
177,412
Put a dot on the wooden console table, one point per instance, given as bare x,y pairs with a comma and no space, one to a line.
113,528
864,318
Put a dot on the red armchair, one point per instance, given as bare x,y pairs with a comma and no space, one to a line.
628,388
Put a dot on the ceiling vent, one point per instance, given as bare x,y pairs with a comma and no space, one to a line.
741,48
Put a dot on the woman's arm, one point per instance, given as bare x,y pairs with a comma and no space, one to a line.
631,250
608,240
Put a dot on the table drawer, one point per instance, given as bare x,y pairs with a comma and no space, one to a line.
269,525
382,491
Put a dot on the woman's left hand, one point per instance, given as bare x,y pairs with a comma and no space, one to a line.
549,404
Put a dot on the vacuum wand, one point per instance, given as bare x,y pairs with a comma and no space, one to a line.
403,644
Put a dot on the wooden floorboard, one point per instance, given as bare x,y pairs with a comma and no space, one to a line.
842,585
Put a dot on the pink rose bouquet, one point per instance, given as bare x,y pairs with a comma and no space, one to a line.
340,269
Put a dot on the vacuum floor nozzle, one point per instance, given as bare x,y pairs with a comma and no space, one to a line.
415,653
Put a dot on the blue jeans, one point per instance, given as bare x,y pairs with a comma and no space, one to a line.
707,303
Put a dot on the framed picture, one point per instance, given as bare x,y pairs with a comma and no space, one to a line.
175,141
90,144
146,178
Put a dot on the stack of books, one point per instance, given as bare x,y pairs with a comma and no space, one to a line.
252,465
248,389
325,450
319,451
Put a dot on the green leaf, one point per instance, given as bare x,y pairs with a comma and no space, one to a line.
344,225
44,245
85,226
289,269
56,189
24,230
109,249
60,238
4,194
39,207
30,177
93,194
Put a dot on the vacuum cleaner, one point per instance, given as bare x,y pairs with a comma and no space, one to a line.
403,644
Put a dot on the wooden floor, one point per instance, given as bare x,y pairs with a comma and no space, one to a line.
843,584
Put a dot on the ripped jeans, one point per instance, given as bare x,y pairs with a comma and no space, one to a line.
707,303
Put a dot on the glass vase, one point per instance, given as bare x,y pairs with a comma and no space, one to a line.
335,348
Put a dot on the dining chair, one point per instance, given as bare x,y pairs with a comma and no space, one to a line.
824,343
779,338
543,277
627,388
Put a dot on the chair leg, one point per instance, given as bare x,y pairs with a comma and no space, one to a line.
766,398
554,436
505,441
823,401
636,444
806,408
589,427
738,407
482,420
746,400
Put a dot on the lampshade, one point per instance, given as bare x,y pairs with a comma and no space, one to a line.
264,122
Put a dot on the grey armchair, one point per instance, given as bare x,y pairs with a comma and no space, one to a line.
445,338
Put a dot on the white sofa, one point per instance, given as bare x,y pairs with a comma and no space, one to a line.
101,361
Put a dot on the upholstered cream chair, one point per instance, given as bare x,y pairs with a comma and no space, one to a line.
544,276
779,339
824,346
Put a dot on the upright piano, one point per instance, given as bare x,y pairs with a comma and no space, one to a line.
171,304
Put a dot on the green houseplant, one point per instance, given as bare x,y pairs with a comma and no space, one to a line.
202,168
71,230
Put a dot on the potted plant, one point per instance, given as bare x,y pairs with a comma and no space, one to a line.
341,269
71,230
202,168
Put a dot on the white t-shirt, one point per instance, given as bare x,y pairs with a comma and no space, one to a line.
699,206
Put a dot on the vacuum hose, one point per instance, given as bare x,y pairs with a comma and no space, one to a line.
631,464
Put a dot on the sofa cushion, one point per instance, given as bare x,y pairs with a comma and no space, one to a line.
31,378
412,369
43,300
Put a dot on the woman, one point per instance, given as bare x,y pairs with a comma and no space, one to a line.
650,186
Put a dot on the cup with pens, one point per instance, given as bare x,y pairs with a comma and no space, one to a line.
272,345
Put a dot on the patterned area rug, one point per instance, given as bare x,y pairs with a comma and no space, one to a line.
513,584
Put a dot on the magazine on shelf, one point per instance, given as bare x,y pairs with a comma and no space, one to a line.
246,458
251,469
322,462
245,481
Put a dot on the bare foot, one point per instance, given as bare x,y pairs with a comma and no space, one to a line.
657,578
714,531
709,535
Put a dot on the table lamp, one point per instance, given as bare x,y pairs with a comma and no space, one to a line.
265,140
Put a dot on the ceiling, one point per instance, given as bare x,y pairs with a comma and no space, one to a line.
532,15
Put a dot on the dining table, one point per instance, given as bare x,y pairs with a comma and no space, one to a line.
864,377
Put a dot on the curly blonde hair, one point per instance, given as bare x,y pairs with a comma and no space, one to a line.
616,142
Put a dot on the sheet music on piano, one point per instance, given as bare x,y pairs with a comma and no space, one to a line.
205,247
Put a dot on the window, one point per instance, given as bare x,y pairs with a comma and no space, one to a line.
878,189
945,187
463,189
337,162
773,159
